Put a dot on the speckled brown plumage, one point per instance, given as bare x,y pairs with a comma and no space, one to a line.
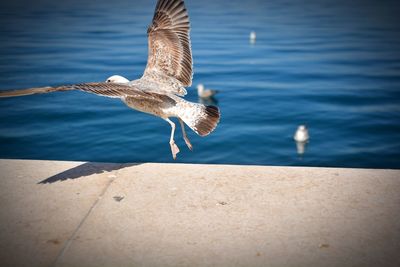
169,43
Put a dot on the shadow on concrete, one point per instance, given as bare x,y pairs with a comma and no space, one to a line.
86,169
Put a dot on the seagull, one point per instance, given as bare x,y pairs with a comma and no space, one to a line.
205,93
161,88
301,134
301,137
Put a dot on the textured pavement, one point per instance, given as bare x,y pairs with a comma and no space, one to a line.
92,214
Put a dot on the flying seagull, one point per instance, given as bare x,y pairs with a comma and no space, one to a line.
160,90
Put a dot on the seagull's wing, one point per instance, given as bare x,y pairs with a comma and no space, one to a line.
114,90
169,62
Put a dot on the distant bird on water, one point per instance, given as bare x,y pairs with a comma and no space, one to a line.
253,37
301,137
205,93
301,134
169,70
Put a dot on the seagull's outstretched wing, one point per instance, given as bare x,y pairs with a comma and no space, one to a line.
114,90
169,62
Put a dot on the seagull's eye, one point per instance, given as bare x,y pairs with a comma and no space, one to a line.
108,80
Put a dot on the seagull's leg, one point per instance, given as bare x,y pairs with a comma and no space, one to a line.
174,147
184,135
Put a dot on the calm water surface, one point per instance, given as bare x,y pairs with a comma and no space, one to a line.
332,65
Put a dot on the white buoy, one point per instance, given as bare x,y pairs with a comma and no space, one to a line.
253,37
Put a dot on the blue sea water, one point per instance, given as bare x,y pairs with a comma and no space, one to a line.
332,65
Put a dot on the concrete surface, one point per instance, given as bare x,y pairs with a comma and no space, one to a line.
86,214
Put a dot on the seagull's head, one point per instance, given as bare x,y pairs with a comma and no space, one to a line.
302,128
200,87
117,79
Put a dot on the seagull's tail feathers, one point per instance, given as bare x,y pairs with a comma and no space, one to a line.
31,91
201,119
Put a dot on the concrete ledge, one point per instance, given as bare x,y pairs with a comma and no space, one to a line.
87,214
